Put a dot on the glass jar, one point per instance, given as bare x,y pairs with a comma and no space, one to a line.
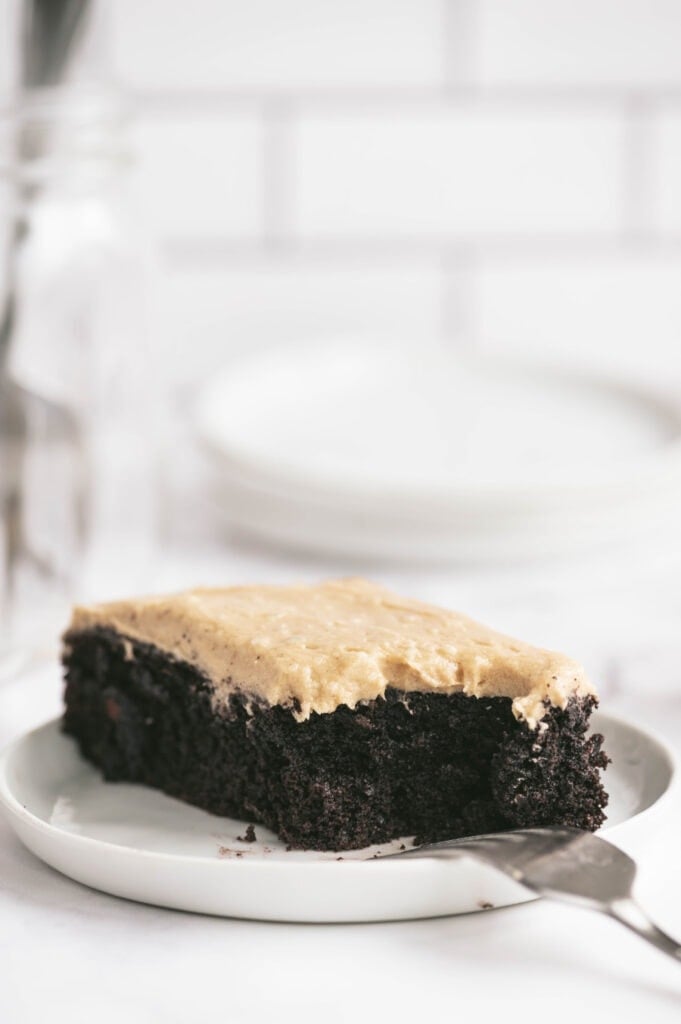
77,412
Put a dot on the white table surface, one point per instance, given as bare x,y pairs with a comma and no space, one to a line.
68,953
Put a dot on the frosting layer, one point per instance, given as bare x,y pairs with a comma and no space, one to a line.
340,642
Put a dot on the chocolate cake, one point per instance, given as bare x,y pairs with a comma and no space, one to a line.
338,715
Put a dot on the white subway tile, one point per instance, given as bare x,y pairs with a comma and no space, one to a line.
214,313
619,314
227,43
200,174
666,176
586,42
445,171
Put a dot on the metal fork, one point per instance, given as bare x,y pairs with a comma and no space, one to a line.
565,864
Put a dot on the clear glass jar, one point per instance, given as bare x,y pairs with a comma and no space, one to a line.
77,407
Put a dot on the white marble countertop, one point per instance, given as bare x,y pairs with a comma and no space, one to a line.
70,954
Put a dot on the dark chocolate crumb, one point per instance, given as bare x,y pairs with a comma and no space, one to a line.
249,835
484,905
112,709
473,767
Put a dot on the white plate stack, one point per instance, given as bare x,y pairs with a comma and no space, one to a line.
425,454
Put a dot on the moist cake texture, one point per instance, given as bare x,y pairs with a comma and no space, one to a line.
338,715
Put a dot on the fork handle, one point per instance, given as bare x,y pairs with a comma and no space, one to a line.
632,916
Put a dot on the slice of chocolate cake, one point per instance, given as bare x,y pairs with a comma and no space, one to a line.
337,715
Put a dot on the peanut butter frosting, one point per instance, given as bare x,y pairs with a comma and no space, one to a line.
340,642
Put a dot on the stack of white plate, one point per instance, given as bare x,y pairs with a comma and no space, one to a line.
421,453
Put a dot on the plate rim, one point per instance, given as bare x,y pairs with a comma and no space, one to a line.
15,809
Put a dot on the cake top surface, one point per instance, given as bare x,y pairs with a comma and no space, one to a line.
338,642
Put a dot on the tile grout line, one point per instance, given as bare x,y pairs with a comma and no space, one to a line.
459,295
637,185
460,299
278,170
458,250
168,102
460,46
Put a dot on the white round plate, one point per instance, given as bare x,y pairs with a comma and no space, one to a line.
134,842
422,453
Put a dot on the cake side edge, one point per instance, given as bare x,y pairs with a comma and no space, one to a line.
430,764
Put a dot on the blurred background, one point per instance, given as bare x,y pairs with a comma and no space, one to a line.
501,173
388,287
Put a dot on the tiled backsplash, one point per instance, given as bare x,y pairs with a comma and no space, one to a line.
500,172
